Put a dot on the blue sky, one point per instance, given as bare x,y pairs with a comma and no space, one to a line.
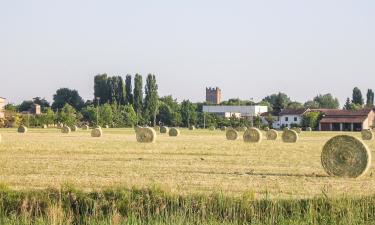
248,48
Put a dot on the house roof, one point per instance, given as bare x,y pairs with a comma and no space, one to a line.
293,111
341,112
358,119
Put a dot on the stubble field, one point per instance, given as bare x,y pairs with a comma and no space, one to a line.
197,161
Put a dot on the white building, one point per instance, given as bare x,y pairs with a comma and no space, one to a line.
286,118
2,105
236,111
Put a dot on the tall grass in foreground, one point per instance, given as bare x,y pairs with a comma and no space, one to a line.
153,206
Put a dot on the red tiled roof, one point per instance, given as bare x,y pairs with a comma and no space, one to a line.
359,119
293,111
341,112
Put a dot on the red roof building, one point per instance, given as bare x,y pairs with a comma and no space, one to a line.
345,120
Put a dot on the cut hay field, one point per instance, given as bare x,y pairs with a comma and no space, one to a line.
199,161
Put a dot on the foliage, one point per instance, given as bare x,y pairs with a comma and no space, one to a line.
129,91
311,119
357,98
101,89
68,115
370,98
25,106
138,94
295,105
151,99
65,96
278,101
188,113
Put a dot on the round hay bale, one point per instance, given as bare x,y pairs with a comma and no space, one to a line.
223,128
157,128
367,135
22,129
85,127
212,128
99,127
44,126
297,129
346,156
290,136
74,128
146,135
97,132
174,132
232,134
252,134
65,130
59,126
164,130
308,129
272,134
192,128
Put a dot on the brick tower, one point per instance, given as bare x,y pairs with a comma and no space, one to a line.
213,95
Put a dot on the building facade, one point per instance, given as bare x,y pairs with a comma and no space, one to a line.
246,112
286,118
2,106
345,120
213,95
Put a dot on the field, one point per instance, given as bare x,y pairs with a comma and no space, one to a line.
196,162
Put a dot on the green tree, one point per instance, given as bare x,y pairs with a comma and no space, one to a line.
327,101
67,115
129,90
165,114
351,106
370,98
116,90
278,101
129,115
188,113
101,89
25,106
65,96
151,99
357,97
138,95
295,105
312,105
44,104
105,115
311,119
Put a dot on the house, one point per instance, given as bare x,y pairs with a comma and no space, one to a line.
244,111
286,118
34,109
2,107
346,120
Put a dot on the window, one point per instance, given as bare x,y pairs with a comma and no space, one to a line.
295,119
286,119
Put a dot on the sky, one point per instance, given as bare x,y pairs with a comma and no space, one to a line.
248,48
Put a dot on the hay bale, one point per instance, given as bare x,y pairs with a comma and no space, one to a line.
22,129
297,129
74,128
157,128
367,135
308,129
253,135
346,156
290,136
272,134
164,130
85,127
192,128
97,132
44,126
65,130
146,135
231,134
174,132
59,125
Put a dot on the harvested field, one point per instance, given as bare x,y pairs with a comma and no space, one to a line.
199,161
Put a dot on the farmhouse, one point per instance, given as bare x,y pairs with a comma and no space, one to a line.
286,118
345,120
2,105
246,112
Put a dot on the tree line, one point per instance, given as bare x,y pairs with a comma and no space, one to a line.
126,102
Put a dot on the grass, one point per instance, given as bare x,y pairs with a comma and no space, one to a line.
198,162
197,178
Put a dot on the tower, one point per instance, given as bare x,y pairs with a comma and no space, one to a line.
213,95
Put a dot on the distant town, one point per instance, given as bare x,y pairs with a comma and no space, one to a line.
117,104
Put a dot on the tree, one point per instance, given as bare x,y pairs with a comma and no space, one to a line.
67,115
311,119
25,106
101,89
105,115
65,96
129,90
151,99
370,98
312,105
357,97
44,104
278,101
351,106
188,113
327,101
295,105
116,90
138,94
165,114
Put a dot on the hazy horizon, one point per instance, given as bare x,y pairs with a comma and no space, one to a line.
250,49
